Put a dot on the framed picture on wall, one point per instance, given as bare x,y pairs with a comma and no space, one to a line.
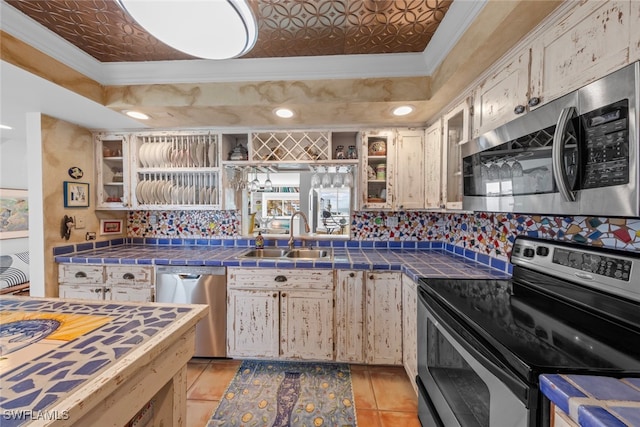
111,226
76,194
14,213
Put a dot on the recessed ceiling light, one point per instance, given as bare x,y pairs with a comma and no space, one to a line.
136,115
5,127
285,113
402,110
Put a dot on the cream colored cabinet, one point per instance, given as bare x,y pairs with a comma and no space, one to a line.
503,96
106,282
280,313
350,316
253,321
383,318
112,171
590,41
433,166
456,133
410,329
409,170
377,187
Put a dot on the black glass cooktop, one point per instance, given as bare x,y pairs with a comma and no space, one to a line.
539,324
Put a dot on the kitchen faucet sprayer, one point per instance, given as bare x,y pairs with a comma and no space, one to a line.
306,226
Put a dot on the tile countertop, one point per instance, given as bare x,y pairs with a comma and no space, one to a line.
69,369
595,401
415,263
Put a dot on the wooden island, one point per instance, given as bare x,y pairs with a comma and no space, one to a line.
82,363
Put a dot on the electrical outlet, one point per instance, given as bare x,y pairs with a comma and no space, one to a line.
392,221
90,235
153,219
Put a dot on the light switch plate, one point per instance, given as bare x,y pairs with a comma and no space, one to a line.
392,221
79,221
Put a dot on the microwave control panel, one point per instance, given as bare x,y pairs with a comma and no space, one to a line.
606,146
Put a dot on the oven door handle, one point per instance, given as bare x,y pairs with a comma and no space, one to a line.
557,154
473,344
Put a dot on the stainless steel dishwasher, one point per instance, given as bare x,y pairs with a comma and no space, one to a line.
199,285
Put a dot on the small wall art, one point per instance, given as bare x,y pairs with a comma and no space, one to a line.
14,213
76,194
110,226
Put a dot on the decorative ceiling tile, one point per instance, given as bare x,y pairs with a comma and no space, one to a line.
286,28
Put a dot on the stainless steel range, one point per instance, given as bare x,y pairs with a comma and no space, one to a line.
482,344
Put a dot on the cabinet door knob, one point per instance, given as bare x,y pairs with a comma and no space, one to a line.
128,276
534,101
284,295
275,295
519,109
352,274
371,276
281,278
81,274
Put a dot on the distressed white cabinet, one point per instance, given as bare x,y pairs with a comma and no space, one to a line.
112,171
280,313
456,132
306,328
433,166
377,187
590,41
254,319
383,324
350,316
106,282
410,329
409,170
502,96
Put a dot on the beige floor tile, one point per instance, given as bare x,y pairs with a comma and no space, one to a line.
214,380
392,389
362,390
193,372
367,418
399,419
199,412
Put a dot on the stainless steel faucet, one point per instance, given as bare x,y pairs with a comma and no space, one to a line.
306,226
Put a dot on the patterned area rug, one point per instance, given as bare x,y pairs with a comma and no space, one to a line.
280,394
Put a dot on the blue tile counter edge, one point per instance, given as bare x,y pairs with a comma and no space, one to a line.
592,401
412,260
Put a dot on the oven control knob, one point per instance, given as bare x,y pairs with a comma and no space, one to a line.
528,252
542,250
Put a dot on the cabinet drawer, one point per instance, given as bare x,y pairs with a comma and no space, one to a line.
279,278
129,275
80,274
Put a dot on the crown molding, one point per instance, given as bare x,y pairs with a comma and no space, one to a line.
458,18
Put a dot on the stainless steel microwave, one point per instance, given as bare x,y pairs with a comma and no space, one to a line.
576,155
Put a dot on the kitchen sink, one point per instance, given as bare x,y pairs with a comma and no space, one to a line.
308,253
302,253
265,253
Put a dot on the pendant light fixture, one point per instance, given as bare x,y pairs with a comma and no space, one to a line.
208,29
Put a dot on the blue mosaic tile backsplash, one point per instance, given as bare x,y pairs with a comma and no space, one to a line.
487,233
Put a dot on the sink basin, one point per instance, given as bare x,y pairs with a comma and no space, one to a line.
273,253
308,253
265,253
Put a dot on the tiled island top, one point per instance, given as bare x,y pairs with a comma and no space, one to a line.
65,372
595,401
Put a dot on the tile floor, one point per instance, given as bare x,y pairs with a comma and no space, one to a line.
383,394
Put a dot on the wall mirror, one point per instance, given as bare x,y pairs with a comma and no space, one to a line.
268,199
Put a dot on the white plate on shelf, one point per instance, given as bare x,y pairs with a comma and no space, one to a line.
200,153
142,156
212,154
167,191
139,192
143,192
